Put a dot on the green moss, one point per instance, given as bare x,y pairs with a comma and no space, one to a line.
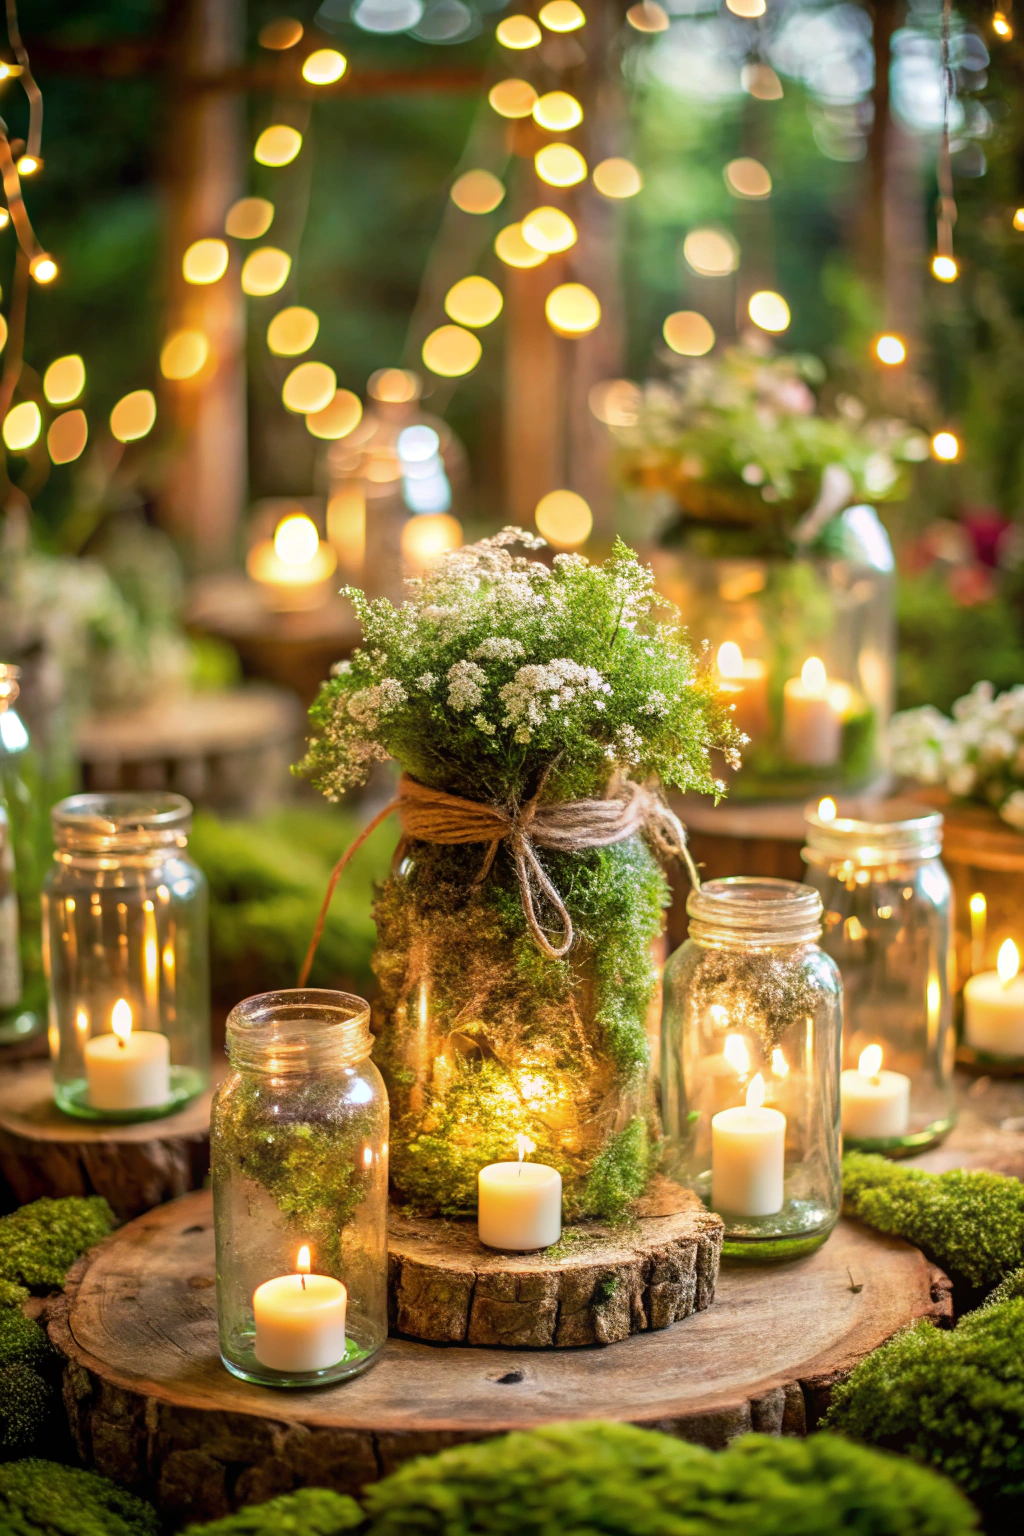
40,1242
22,1341
1009,1289
42,1498
12,1294
972,1224
614,1480
25,1402
620,1172
308,1512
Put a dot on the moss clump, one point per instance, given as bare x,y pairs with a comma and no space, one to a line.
614,1480
25,1403
972,1224
22,1341
954,1401
1009,1289
619,1173
42,1498
308,1512
40,1242
12,1294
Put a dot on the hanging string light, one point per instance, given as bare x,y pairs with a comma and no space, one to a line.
512,98
292,331
265,271
67,437
22,425
324,67
249,218
205,262
184,354
477,192
549,230
648,16
277,145
133,416
518,32
572,309
514,250
946,446
617,178
688,333
891,351
557,111
1002,26
309,387
769,311
561,16
451,351
944,265
560,165
64,380
474,301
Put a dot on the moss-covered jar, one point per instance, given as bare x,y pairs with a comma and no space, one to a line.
299,1154
750,1065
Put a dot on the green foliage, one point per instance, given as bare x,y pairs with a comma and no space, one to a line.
12,1294
972,1224
954,1401
25,1402
945,646
40,1242
619,1173
1009,1289
22,1341
43,1498
307,1512
614,1480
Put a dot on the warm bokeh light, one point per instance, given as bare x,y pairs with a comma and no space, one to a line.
5,218
572,309
67,437
265,271
28,165
747,8
564,519
292,331
616,402
736,1053
827,809
22,426
557,111
617,178
512,98
477,192
977,905
1001,26
205,261
514,251
1007,961
890,350
451,351
184,354
1018,219
730,659
338,418
945,269
688,333
518,32
346,526
648,16
711,252
473,301
284,32
249,218
549,230
945,446
395,386
121,1019
309,387
277,145
64,380
761,82
814,676
3,333
748,178
869,1062
429,535
133,416
561,16
43,268
769,311
324,67
296,540
560,165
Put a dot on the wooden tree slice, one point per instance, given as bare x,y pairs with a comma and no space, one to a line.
151,1405
45,1152
602,1284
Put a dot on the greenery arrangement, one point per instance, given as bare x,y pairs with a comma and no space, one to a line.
501,679
40,1242
976,755
43,1498
307,1512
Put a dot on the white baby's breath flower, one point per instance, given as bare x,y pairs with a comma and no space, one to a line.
427,681
497,648
341,669
963,780
483,724
465,685
655,704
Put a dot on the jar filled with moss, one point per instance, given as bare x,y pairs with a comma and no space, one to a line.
299,1155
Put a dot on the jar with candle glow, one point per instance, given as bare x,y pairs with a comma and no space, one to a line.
125,947
888,926
299,1155
750,1066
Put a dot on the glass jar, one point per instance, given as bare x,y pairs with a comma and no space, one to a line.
750,1065
299,1153
23,832
888,926
125,949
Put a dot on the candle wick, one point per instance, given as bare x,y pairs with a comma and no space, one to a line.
303,1279
121,1042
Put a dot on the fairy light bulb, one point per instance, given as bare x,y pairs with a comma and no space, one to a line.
309,387
324,67
648,16
560,165
64,380
769,311
296,540
572,309
281,33
1001,26
710,252
512,98
184,354
292,331
688,333
557,111
205,262
748,178
1018,219
473,301
249,218
477,192
67,437
5,218
133,416
22,426
890,350
43,268
945,446
514,250
564,519
277,145
451,351
265,271
549,230
338,418
561,16
945,269
518,32
28,165
617,178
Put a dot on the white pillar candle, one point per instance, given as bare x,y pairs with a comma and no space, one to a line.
300,1320
744,684
994,1006
519,1204
128,1069
812,726
748,1156
875,1104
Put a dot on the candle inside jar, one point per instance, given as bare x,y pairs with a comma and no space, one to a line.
875,1104
745,685
994,1006
519,1204
748,1156
300,1320
812,726
129,1068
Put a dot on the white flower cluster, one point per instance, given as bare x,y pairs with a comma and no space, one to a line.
978,754
536,691
368,704
466,685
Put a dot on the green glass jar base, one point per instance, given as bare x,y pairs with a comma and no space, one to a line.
902,1146
73,1098
18,1026
247,1368
987,1063
774,1250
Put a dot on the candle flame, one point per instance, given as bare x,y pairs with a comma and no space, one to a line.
524,1145
978,904
1007,961
827,809
121,1020
302,1264
780,1066
870,1062
736,1054
814,677
755,1091
82,1022
730,659
367,1156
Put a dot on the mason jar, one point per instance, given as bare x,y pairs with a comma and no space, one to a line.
750,1065
888,926
125,953
299,1155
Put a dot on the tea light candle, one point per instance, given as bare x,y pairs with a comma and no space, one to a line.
994,1006
875,1104
128,1069
300,1320
520,1204
745,685
812,726
748,1156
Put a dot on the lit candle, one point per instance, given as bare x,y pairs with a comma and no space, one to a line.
994,1006
520,1204
876,1104
978,908
727,1071
300,1320
745,685
294,567
748,1156
812,726
128,1069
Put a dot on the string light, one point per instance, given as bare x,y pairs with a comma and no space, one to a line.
277,145
572,309
557,111
647,17
28,165
769,311
43,268
184,354
748,178
249,218
280,34
324,67
946,447
205,262
549,230
5,218
64,380
944,266
748,9
617,178
890,350
514,250
22,426
518,32
564,519
477,192
133,416
338,418
616,402
688,333
560,165
67,437
451,351
1018,219
395,386
474,301
309,387
1001,26
561,16
3,333
292,331
710,252
265,272
945,269
512,98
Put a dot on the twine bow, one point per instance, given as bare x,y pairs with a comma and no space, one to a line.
569,826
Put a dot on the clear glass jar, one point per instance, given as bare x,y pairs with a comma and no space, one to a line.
299,1154
888,926
126,955
23,831
750,1065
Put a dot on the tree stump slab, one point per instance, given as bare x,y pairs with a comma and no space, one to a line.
135,1167
151,1405
597,1286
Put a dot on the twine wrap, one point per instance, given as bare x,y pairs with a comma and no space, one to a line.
569,826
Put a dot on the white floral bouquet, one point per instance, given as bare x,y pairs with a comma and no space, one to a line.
976,755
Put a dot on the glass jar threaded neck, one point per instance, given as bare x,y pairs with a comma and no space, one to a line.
298,1032
897,831
120,823
746,912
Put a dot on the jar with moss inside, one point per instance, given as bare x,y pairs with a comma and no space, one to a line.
750,1065
299,1159
534,709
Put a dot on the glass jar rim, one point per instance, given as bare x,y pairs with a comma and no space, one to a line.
754,909
869,834
298,1030
123,820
